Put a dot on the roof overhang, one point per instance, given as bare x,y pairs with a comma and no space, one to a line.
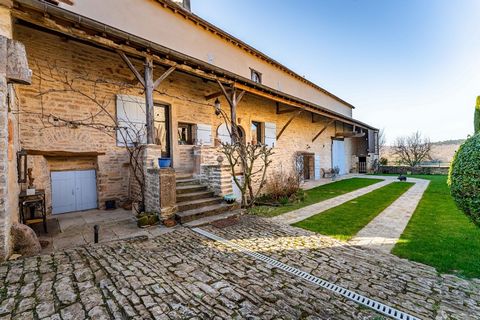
61,21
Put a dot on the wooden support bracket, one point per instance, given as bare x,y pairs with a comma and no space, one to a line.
323,129
286,110
130,65
163,77
288,123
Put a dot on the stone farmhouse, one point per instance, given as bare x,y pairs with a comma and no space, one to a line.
179,68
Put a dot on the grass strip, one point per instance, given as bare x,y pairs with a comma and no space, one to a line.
440,235
317,194
344,221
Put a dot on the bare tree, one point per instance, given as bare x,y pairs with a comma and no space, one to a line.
413,149
382,141
253,159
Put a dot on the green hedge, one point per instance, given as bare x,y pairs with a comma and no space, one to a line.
464,178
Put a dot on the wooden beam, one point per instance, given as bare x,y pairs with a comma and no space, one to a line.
323,129
315,119
287,110
58,153
163,77
213,95
132,67
225,94
288,123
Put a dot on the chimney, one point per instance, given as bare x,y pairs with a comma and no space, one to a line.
183,3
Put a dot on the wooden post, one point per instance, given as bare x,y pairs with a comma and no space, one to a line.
149,101
233,99
149,85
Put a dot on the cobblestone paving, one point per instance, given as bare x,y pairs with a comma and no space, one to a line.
384,231
181,275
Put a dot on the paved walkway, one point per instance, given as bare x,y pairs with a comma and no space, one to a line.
76,228
182,275
384,231
306,212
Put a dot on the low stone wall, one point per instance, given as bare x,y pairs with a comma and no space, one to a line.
217,177
160,192
412,170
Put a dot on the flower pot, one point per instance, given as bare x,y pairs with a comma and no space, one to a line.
164,162
229,198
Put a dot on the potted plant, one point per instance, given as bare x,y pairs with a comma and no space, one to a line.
146,219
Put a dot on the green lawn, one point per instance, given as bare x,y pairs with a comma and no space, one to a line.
317,194
440,235
344,221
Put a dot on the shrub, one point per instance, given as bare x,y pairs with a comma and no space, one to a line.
464,178
383,161
283,185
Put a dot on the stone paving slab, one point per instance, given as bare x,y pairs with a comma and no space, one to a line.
181,275
311,210
384,231
409,286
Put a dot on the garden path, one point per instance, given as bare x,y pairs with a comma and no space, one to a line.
384,231
306,212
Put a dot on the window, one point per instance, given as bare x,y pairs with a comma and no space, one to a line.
255,76
131,119
185,133
256,132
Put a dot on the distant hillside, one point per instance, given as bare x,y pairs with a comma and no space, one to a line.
442,151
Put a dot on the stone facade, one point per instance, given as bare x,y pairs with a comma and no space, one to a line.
185,96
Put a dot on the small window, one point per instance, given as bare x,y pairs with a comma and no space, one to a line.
185,133
256,132
256,76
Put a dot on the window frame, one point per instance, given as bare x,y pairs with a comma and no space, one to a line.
260,131
257,73
190,133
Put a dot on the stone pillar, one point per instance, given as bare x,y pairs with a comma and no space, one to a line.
5,219
160,185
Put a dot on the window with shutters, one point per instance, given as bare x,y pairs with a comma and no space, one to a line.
257,132
185,133
131,119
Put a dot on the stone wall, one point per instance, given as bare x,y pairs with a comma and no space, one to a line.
160,192
184,94
412,170
217,177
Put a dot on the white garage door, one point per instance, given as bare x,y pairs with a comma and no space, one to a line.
338,156
73,191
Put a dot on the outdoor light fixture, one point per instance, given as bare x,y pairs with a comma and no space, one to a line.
217,107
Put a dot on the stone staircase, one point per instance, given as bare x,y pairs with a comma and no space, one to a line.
196,204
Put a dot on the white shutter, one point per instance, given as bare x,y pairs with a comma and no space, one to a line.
204,134
270,134
223,134
131,116
316,167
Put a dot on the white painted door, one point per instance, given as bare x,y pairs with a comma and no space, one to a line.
73,191
338,156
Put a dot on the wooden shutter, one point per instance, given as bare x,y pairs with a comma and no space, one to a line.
204,134
132,118
223,134
270,134
316,166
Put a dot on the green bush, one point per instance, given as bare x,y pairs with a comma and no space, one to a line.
476,121
464,178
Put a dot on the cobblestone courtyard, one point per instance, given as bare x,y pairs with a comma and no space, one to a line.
181,275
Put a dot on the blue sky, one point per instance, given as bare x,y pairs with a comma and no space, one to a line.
406,65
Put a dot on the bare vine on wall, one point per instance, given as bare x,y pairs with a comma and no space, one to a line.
98,93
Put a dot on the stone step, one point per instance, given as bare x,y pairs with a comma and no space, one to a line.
194,196
200,203
183,175
208,220
189,181
194,214
190,188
